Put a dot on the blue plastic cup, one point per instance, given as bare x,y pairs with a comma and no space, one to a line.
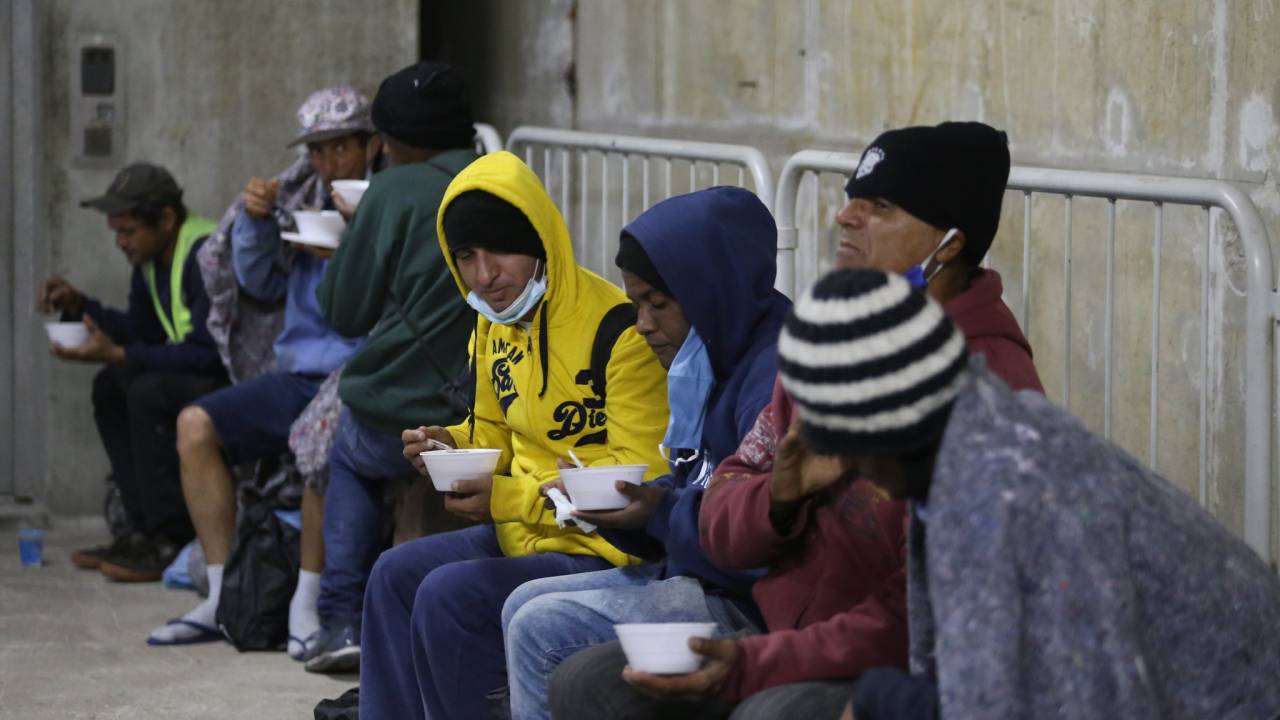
31,547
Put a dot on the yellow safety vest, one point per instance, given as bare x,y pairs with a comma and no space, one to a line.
177,322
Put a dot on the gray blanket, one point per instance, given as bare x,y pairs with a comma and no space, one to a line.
244,328
1054,576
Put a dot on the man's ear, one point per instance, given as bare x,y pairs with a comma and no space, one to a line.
372,148
169,219
953,248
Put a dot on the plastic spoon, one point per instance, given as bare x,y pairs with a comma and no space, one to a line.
439,445
574,457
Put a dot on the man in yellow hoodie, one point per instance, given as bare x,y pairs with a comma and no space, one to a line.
432,642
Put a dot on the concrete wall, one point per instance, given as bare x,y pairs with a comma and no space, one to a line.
211,94
1181,87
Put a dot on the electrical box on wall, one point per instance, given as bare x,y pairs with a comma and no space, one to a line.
97,101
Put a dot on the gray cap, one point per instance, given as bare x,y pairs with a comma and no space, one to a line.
333,112
136,185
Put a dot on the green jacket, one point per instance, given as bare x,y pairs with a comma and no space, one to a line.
389,280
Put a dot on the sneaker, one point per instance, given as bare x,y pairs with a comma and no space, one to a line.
92,558
146,563
334,650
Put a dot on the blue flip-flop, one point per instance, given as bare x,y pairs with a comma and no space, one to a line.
304,643
207,634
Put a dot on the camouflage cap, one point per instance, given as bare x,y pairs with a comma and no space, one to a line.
333,112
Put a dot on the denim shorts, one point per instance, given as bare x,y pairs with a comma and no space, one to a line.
253,417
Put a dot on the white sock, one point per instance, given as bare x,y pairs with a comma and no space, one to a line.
204,614
303,619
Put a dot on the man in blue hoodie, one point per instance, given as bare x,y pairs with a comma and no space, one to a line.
700,270
251,420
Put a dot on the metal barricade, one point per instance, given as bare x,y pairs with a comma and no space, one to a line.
601,181
487,139
1250,258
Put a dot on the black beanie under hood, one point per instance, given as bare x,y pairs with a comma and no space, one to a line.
632,258
951,175
477,219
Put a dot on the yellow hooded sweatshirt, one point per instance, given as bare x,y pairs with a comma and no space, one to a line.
533,397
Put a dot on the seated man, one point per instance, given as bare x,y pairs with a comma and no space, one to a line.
251,420
432,637
1050,574
389,280
700,269
158,357
833,599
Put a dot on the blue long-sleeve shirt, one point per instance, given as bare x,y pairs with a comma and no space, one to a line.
715,250
306,345
138,330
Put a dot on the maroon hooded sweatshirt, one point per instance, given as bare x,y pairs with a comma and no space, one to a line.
834,598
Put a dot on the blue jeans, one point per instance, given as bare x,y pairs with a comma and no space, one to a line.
362,461
546,621
432,636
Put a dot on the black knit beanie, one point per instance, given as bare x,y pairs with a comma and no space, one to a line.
951,175
873,365
426,105
477,219
632,258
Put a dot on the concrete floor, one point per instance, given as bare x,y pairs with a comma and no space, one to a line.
72,646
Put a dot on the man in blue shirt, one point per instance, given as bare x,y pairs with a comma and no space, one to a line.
251,420
158,356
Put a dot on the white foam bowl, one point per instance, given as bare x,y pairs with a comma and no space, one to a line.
323,225
662,648
448,466
591,488
350,190
67,334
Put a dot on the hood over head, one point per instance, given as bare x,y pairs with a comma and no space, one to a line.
716,249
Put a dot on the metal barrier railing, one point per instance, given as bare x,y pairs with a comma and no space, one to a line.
601,182
1260,330
487,139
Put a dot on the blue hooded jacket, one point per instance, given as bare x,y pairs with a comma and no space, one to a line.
716,250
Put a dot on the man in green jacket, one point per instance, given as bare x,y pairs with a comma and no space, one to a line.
389,280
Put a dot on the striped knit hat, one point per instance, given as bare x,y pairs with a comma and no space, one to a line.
872,364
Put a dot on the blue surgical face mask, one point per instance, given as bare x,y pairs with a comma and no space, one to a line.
528,300
689,383
915,275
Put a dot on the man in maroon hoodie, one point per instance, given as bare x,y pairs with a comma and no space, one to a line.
924,202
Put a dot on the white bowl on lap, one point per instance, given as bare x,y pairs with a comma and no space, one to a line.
591,488
67,334
449,466
350,190
662,648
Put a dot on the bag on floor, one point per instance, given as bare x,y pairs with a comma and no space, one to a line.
258,581
344,707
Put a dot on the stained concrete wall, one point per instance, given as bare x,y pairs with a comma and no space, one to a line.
211,94
1184,87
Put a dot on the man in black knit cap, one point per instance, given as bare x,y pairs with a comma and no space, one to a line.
389,280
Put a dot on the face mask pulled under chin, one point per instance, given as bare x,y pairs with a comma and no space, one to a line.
916,276
533,291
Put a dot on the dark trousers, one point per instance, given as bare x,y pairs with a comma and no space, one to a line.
136,413
431,646
589,685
